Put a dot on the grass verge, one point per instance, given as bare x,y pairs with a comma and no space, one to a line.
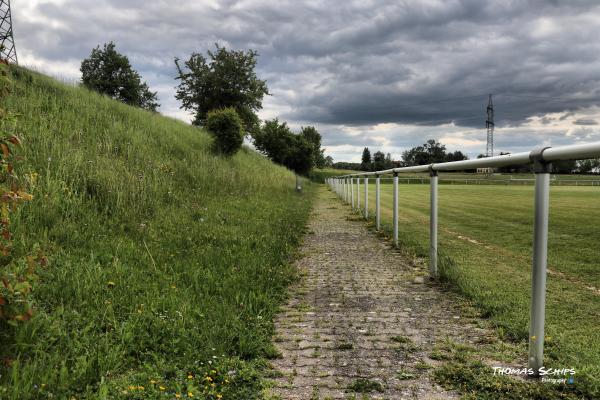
167,263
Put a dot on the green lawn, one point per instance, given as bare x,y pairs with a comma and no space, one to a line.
485,240
166,262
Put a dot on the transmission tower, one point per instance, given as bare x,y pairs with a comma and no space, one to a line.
8,51
489,124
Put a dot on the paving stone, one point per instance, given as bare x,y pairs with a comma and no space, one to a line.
356,294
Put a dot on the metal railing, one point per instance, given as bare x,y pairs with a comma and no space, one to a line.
541,159
496,181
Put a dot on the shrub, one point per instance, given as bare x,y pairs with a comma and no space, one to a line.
227,128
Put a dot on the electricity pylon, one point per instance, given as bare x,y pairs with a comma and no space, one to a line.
489,124
8,51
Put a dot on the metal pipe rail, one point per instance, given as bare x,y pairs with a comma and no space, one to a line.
541,159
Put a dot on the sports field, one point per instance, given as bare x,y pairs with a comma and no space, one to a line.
485,239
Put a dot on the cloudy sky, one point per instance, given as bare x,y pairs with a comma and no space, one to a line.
386,74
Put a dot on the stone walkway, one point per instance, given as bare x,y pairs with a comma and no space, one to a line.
363,319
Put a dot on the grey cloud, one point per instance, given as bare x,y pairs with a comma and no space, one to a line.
585,121
354,63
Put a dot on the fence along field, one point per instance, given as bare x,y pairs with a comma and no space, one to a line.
485,248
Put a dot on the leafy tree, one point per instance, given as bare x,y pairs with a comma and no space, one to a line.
225,79
108,72
328,161
564,167
378,161
226,127
365,163
389,163
301,155
282,146
588,166
430,152
274,141
456,156
313,136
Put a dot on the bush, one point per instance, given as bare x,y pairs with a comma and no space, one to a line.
227,128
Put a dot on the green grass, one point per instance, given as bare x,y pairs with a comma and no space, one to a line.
363,385
166,262
485,240
320,174
452,178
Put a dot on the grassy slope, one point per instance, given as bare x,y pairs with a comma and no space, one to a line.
495,271
195,245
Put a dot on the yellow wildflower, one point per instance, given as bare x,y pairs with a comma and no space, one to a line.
190,376
162,388
177,395
190,394
152,381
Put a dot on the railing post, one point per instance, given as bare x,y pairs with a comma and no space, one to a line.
366,197
377,202
540,259
358,193
395,209
352,191
346,195
433,224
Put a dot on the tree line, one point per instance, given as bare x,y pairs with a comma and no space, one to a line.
428,153
225,95
434,152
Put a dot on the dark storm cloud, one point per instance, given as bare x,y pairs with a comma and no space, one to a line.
353,63
585,121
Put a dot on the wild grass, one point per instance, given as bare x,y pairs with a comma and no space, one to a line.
321,174
167,263
485,240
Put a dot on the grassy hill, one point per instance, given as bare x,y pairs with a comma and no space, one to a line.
166,262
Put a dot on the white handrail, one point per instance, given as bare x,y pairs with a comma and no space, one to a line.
541,159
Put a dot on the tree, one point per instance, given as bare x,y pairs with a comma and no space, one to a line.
564,167
110,73
226,127
588,166
328,161
365,164
274,141
456,156
282,146
389,163
378,161
430,152
313,136
225,79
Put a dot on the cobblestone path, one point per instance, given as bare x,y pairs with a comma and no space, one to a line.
362,321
